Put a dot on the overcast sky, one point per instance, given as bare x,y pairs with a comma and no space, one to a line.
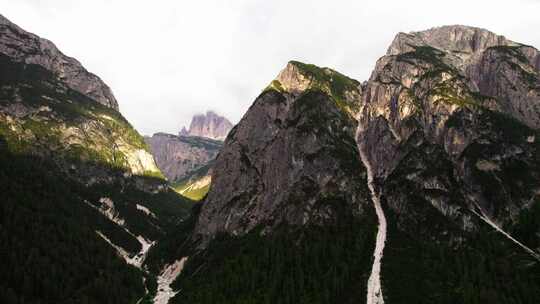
168,60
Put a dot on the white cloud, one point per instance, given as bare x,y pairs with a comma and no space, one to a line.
167,60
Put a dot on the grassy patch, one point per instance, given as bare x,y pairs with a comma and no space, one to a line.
335,84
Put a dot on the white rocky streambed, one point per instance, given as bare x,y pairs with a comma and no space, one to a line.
170,272
165,279
108,210
374,288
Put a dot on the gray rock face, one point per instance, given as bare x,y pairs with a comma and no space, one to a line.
209,125
460,99
457,92
41,115
292,159
431,74
178,156
25,47
447,127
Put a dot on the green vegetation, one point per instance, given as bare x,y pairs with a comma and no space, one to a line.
51,251
314,112
175,244
335,84
488,269
428,55
414,101
446,93
305,265
192,177
51,140
276,86
455,266
514,52
56,256
517,175
56,116
193,194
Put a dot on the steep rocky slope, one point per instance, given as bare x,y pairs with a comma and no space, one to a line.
186,161
75,166
291,193
450,124
25,47
197,183
288,171
466,94
447,128
209,125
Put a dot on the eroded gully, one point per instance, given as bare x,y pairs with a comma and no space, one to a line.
374,288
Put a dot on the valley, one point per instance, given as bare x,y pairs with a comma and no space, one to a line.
419,185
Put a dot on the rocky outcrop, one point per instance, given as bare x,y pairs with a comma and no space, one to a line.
209,125
179,157
451,87
25,47
301,168
445,137
84,176
41,115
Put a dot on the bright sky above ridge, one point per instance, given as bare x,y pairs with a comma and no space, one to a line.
167,60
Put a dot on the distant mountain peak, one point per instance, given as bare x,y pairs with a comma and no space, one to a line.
209,125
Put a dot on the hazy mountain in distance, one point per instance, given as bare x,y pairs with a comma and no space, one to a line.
209,125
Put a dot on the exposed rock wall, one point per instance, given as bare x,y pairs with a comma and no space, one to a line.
26,47
291,160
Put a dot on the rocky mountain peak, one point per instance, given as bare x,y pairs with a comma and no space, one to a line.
209,125
448,87
290,155
298,77
450,38
454,67
293,78
28,48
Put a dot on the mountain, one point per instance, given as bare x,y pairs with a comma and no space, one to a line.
25,47
209,125
185,161
297,180
420,185
82,198
449,125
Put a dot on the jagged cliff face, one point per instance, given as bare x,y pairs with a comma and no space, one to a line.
449,122
25,47
447,127
301,168
186,161
41,115
45,115
178,156
209,125
74,166
457,90
50,105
